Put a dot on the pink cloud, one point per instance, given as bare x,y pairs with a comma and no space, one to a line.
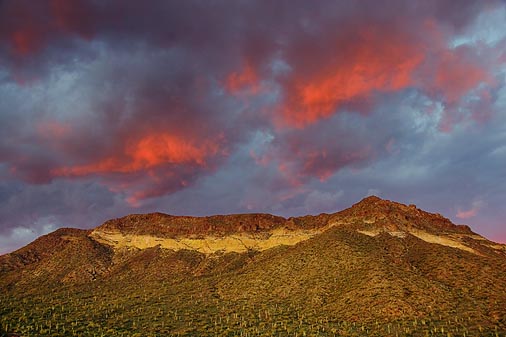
358,65
244,80
466,214
471,212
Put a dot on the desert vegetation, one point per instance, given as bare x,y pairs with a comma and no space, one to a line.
184,310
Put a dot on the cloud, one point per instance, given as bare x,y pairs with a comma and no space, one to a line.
245,79
169,161
321,150
363,62
470,212
373,191
287,107
130,135
377,59
317,201
467,214
20,236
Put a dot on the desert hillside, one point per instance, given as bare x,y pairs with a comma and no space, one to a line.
378,268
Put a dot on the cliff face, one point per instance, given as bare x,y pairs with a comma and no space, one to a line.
371,212
243,232
165,225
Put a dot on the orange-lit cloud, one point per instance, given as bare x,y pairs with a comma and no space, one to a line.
297,168
324,163
319,152
373,63
471,212
146,153
456,75
245,79
378,60
313,92
466,214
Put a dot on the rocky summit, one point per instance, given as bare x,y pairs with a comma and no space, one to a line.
378,268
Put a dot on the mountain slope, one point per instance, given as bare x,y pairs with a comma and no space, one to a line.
377,268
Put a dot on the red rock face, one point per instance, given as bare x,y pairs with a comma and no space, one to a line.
165,225
373,212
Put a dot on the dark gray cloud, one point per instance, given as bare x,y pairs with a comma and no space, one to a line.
291,107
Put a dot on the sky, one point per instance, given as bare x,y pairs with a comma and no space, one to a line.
288,107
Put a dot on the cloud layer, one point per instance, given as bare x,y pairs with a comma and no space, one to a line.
287,107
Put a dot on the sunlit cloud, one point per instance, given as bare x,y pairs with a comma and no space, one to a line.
287,107
470,212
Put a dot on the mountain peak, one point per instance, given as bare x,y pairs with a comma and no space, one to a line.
370,199
375,201
375,215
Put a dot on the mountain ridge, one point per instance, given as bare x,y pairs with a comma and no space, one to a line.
376,268
250,222
260,231
370,216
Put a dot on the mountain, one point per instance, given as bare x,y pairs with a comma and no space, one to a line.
378,268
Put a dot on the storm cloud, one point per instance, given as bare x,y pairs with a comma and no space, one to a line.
287,107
